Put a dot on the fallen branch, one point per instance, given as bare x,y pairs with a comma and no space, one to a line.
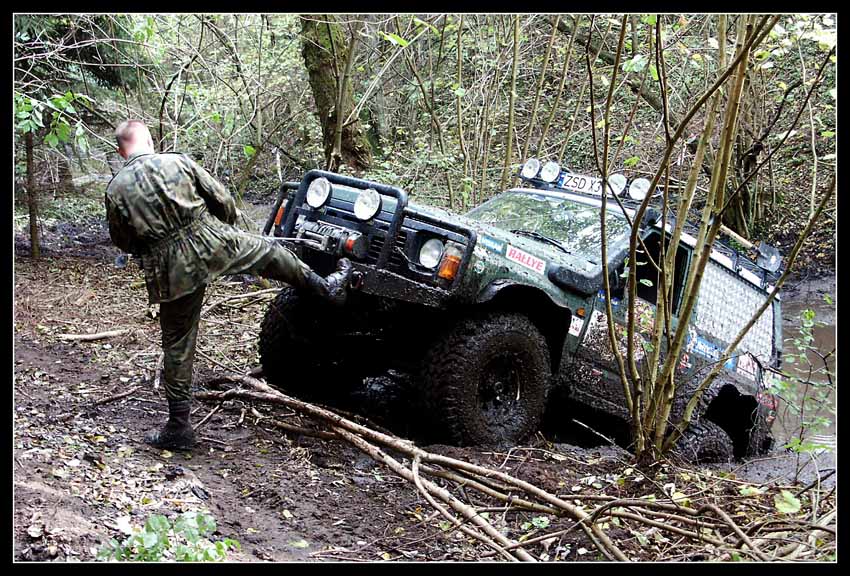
113,398
264,392
239,297
92,337
685,522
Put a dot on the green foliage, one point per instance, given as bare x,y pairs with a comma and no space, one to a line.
807,398
787,503
187,540
393,38
29,113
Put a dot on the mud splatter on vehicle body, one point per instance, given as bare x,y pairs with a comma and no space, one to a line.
490,309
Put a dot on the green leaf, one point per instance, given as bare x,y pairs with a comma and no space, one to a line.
631,162
63,130
786,502
827,133
541,522
420,22
459,92
751,491
394,39
649,19
653,71
249,150
636,64
51,140
646,282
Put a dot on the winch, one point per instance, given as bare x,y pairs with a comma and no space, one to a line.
334,239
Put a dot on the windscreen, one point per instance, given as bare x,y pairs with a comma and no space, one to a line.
573,224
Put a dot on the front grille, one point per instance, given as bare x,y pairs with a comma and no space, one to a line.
376,244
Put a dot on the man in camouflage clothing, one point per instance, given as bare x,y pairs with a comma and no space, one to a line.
171,213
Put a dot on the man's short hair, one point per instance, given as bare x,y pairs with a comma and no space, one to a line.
124,132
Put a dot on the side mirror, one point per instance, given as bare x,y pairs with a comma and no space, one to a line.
768,257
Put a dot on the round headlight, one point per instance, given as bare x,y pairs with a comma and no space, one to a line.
550,171
368,204
530,168
638,188
430,253
616,184
318,192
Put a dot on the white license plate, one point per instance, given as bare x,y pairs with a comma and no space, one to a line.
580,183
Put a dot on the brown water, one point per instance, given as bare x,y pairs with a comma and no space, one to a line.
810,296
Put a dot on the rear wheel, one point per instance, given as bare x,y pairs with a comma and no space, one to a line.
487,380
706,441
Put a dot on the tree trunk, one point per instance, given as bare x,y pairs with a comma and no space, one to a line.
65,186
509,152
325,54
32,200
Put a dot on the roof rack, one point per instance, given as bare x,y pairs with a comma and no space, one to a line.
739,259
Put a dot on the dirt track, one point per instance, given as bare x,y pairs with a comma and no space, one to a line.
82,479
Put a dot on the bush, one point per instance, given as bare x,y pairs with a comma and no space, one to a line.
186,541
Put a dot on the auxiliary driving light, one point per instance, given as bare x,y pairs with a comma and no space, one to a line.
430,253
318,192
550,171
530,168
617,183
639,188
450,263
368,204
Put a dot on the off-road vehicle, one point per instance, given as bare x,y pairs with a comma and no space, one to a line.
491,309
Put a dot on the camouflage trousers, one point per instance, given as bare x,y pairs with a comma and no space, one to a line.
179,319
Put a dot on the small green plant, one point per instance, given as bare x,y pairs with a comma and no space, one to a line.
187,540
810,398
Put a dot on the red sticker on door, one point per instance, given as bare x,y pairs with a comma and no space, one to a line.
526,259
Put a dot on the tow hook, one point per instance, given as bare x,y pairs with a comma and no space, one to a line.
356,280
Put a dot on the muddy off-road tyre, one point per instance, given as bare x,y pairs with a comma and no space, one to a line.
296,346
486,381
761,439
705,441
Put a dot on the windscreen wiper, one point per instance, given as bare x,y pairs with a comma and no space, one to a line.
540,237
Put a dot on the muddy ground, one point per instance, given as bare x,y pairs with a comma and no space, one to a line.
82,474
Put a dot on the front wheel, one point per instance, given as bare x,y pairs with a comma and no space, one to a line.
299,346
486,381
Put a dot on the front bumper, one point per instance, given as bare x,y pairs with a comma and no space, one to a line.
386,248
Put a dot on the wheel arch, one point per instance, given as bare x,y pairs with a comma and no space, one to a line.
738,413
550,317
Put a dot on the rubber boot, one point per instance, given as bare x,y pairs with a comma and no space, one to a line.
332,288
177,433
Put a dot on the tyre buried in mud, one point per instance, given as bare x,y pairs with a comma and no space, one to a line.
296,346
487,380
706,441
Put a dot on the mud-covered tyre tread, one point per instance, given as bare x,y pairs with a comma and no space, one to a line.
275,338
706,441
449,392
289,362
761,439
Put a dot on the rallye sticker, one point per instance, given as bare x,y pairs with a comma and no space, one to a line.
492,244
576,322
526,259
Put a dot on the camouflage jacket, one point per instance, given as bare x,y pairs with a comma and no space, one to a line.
172,213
